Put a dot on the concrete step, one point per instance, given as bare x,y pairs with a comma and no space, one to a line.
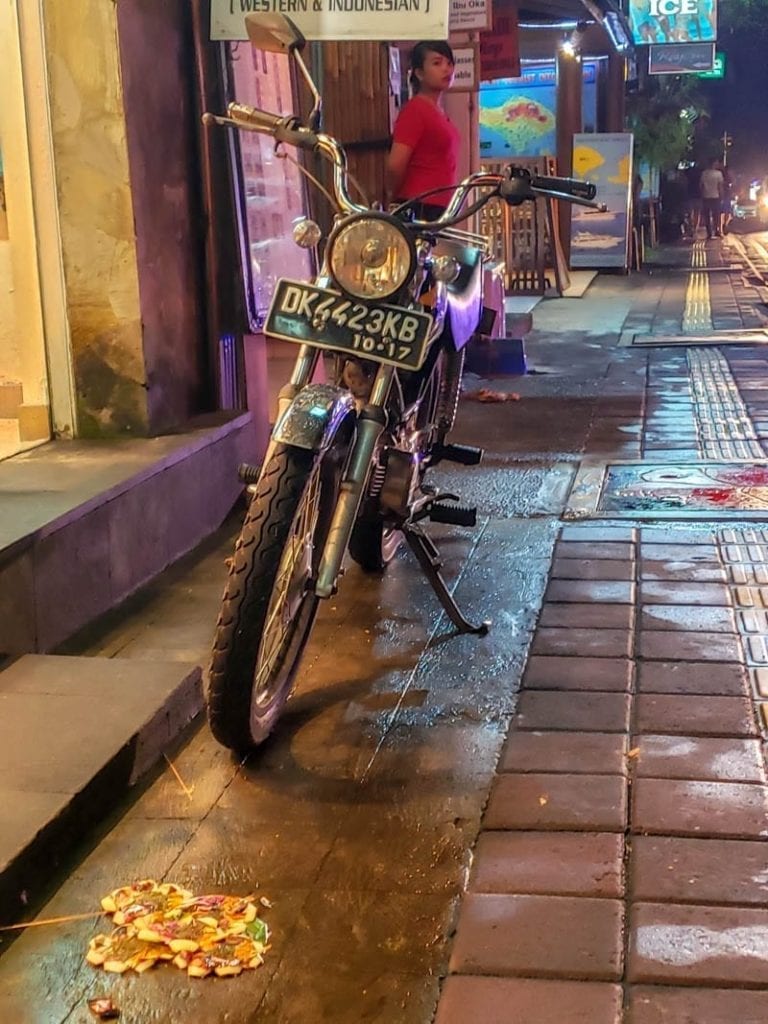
75,734
96,520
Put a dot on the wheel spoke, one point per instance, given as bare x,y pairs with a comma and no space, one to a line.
289,590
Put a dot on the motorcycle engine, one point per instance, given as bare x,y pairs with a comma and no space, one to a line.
400,481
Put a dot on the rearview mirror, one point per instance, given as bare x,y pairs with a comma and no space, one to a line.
273,32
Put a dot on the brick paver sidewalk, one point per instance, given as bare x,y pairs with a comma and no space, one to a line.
621,876
622,871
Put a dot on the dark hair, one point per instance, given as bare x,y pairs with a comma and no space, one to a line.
419,55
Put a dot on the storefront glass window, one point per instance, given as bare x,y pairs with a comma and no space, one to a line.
274,193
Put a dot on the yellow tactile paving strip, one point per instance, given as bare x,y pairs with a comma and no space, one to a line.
697,316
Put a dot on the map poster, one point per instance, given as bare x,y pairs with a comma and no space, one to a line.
517,115
601,239
330,20
673,21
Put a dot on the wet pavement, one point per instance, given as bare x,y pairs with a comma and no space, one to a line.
402,837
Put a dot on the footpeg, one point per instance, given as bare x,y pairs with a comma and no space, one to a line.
248,473
453,515
464,454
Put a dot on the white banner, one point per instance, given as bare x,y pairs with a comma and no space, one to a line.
470,15
465,78
329,20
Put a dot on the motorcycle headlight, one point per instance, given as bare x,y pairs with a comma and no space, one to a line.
370,256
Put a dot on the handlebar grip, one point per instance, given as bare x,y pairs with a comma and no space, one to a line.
302,138
282,129
253,117
568,186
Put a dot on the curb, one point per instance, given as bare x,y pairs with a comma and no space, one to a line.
53,793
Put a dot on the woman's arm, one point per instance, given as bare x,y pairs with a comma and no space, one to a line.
397,166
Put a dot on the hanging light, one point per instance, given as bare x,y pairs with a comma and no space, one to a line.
571,47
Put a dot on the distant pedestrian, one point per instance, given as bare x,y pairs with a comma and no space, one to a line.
726,202
712,185
673,196
693,201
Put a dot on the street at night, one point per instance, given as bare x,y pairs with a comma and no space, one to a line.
359,821
383,503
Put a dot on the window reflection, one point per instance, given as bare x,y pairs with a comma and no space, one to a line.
274,194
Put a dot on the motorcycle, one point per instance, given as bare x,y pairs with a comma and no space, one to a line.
394,304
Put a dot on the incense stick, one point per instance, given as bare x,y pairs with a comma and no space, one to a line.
49,920
187,789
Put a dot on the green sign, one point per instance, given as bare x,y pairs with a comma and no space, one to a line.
718,71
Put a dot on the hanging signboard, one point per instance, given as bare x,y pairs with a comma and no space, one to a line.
602,239
680,58
718,68
329,20
465,76
673,21
500,48
470,15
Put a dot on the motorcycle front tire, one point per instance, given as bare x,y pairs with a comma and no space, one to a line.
246,693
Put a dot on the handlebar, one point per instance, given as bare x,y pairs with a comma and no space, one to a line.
566,186
522,185
515,188
282,129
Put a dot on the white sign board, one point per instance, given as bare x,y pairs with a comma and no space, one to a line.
465,76
470,15
600,238
329,20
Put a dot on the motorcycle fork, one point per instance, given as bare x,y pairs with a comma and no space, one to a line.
301,375
370,423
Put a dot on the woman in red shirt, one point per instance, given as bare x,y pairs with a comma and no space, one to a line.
425,145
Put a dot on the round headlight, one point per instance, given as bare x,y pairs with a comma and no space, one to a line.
370,256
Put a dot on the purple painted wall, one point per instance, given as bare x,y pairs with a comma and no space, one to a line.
157,63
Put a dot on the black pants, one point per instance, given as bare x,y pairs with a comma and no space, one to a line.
424,211
712,216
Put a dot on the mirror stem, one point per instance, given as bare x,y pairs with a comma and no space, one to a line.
316,113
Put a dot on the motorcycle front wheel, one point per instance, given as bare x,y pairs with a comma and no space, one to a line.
268,609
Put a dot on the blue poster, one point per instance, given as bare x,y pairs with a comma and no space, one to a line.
673,21
518,115
600,238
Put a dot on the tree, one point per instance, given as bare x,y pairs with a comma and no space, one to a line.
663,116
744,16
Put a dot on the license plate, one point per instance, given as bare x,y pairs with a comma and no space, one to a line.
316,316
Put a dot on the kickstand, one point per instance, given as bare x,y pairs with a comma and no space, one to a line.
428,558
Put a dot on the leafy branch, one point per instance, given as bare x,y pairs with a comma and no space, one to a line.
663,117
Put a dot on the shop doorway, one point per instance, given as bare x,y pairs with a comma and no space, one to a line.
28,224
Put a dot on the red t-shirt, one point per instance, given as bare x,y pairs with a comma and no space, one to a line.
435,140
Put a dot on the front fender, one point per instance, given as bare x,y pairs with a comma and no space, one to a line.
313,417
